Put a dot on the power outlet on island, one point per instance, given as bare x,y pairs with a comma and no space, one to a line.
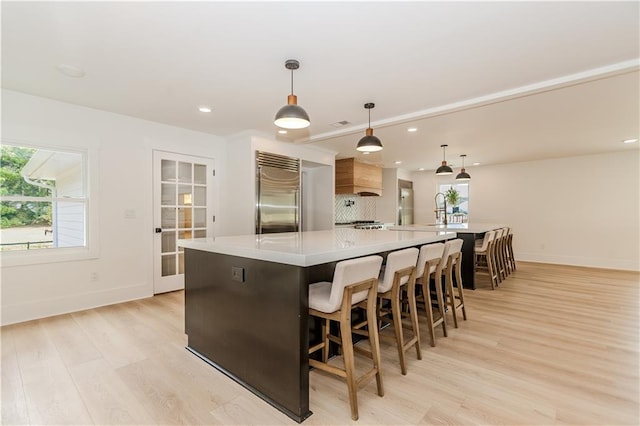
237,274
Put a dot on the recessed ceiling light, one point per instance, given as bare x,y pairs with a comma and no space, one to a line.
630,141
204,108
282,132
421,169
398,162
476,164
71,71
412,129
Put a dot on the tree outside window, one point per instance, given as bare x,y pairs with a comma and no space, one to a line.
42,198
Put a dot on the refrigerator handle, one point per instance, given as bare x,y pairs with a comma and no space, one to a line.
300,216
258,199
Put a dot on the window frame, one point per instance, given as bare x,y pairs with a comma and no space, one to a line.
63,254
454,184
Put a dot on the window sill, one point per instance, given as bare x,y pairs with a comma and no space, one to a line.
25,258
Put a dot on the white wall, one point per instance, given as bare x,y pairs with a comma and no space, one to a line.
122,162
317,186
576,211
387,203
242,193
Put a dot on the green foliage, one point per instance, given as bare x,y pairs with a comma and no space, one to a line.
15,213
453,197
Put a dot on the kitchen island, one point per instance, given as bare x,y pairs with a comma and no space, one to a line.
468,233
246,302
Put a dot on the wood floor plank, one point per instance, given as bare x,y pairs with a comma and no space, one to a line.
71,341
551,345
51,394
14,404
107,397
115,346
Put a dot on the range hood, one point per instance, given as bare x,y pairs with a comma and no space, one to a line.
356,177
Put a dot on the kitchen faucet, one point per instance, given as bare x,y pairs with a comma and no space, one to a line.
439,210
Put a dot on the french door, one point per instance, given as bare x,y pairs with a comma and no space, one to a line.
183,196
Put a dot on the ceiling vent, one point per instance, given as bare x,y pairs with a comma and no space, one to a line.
340,123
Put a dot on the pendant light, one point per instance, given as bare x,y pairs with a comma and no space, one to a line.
292,116
463,175
444,169
369,143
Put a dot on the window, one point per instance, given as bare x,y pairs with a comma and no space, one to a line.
457,196
43,199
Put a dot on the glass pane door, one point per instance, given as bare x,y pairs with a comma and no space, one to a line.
184,192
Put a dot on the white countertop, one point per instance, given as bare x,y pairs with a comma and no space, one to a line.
315,247
471,228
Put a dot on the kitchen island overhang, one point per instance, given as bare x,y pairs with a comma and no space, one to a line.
246,302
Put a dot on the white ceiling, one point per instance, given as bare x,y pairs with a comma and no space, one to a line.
499,81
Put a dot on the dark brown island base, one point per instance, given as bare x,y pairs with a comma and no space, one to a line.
246,302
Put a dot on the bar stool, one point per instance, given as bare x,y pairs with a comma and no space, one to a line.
484,256
355,281
428,263
451,262
497,255
510,257
400,274
505,250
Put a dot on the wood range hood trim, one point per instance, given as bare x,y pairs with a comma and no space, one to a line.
358,178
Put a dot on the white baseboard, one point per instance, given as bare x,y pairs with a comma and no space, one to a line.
619,264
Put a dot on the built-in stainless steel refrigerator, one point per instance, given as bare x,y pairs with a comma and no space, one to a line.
278,195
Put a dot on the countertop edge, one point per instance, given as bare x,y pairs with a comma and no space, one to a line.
316,258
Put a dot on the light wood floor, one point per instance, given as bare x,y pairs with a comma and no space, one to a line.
551,345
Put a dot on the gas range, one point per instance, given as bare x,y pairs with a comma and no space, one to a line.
368,224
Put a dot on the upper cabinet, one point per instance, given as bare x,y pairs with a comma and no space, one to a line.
355,177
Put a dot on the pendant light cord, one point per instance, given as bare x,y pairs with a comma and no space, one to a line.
292,81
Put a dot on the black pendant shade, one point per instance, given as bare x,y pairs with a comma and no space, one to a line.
369,143
292,116
463,175
444,169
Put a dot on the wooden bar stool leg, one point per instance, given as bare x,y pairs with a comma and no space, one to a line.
441,305
460,288
374,340
325,337
397,325
451,294
491,267
512,259
349,362
429,310
413,308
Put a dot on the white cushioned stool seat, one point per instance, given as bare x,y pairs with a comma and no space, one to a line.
327,296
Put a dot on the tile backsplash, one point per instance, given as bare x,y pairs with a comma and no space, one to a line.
350,207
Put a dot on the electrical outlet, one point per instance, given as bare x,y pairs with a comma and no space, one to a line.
237,274
94,277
